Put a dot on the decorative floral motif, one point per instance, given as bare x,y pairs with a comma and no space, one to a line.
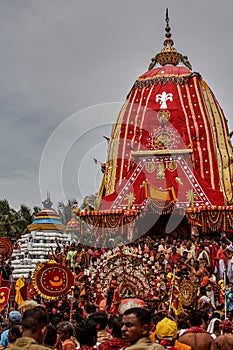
51,280
128,267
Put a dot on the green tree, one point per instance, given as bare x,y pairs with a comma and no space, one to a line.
12,222
25,216
65,210
36,210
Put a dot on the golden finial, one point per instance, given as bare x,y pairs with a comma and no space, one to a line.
168,35
169,55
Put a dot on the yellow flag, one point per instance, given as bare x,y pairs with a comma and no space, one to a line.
18,285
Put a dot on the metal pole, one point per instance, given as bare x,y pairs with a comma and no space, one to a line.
225,296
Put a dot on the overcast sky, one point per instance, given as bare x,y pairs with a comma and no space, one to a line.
66,68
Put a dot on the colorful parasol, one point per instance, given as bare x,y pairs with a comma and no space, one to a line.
51,280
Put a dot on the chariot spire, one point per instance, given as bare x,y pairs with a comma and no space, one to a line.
169,54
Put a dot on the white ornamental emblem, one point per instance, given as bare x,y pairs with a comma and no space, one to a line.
163,98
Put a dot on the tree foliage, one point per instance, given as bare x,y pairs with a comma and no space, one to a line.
14,223
65,210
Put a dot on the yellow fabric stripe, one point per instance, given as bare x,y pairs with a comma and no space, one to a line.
125,136
138,113
203,114
223,149
113,151
214,134
228,165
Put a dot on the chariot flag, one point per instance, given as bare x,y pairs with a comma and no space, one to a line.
4,296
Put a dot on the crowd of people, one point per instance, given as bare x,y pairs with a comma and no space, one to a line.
81,319
206,262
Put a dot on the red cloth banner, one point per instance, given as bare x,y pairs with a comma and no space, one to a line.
4,296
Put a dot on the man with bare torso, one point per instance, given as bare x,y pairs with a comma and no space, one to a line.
225,340
196,336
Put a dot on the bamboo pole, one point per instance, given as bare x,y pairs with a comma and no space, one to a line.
172,288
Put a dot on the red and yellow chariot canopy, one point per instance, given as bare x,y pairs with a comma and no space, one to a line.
170,146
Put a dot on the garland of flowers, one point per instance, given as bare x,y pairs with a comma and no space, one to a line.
133,270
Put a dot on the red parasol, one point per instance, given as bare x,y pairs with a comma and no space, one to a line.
51,280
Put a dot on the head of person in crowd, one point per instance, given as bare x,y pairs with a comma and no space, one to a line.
76,316
195,318
72,246
77,308
66,331
226,326
100,319
166,331
55,319
215,314
116,327
27,305
15,317
183,324
223,244
86,333
196,265
205,316
135,324
14,333
34,324
89,308
158,317
116,342
51,337
203,290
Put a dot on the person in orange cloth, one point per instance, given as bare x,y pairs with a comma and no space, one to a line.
66,332
166,333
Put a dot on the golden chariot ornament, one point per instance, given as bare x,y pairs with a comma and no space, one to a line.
188,292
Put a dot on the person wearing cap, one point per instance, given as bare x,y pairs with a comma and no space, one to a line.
225,340
135,330
15,318
166,333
